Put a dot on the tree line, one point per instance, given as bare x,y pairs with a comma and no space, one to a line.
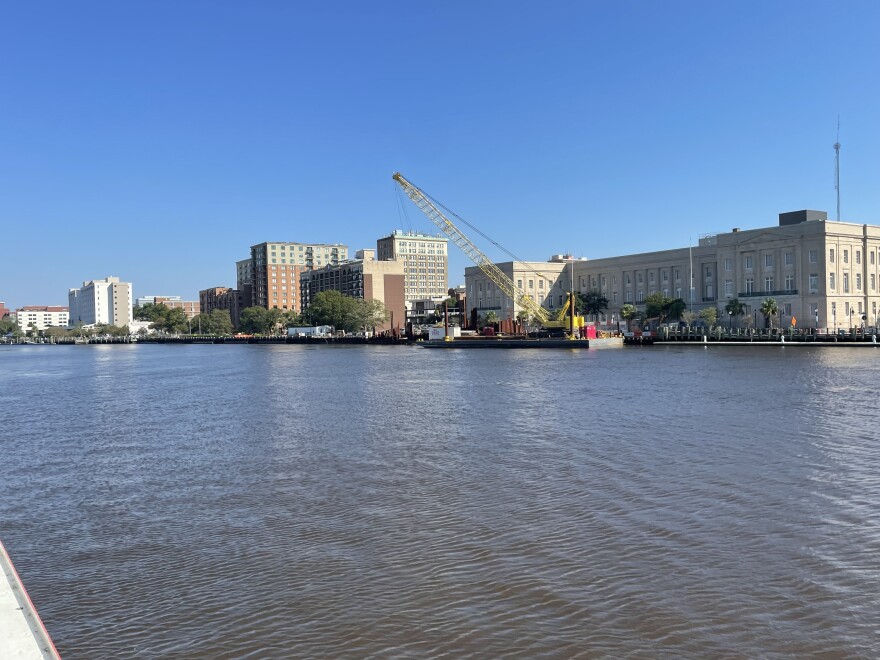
327,308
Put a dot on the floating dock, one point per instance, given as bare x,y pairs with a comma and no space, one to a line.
22,634
522,342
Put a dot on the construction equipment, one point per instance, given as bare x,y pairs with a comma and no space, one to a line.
500,279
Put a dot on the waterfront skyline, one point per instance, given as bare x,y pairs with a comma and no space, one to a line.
159,145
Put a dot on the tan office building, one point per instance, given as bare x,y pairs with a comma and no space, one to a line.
425,259
363,277
820,273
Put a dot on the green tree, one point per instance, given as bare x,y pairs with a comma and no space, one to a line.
688,317
174,321
370,313
254,319
675,308
218,322
292,319
274,320
656,305
592,302
491,317
769,309
55,331
734,308
709,315
333,308
628,312
150,312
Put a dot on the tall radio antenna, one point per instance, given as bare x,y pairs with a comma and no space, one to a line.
837,167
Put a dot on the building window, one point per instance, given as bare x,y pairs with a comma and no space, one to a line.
846,257
814,256
873,281
872,257
728,264
789,283
831,281
640,297
748,263
831,255
629,296
768,261
846,282
728,288
858,281
640,278
768,284
789,258
858,256
750,285
814,283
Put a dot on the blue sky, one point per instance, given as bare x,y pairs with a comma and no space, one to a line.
157,141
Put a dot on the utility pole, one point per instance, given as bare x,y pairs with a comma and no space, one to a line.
837,167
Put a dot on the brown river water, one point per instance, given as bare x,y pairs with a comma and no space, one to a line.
394,502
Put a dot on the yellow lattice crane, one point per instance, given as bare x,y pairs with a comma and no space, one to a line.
501,280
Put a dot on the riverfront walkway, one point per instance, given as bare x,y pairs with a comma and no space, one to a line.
22,635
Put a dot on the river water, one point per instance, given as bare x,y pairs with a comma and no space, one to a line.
294,501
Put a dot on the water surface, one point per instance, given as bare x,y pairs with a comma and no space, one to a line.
295,501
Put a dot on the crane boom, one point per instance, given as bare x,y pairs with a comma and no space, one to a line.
501,280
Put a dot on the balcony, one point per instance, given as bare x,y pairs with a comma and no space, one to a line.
767,294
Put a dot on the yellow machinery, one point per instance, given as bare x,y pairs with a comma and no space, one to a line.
492,271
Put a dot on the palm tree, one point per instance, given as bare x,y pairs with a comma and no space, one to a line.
734,308
769,309
491,317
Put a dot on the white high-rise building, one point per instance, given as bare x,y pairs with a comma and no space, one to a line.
105,301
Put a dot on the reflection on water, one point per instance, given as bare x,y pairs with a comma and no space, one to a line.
289,501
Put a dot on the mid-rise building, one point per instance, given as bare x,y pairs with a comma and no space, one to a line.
425,258
822,274
4,311
545,282
275,270
40,317
106,301
222,297
189,307
363,277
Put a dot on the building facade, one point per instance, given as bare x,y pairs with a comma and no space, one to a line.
41,317
363,277
106,301
545,282
821,274
425,258
275,270
221,297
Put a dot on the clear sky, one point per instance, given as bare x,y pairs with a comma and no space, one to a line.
156,141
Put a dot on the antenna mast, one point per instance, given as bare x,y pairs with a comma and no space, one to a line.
837,167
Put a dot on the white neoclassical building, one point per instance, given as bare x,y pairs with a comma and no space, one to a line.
821,273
